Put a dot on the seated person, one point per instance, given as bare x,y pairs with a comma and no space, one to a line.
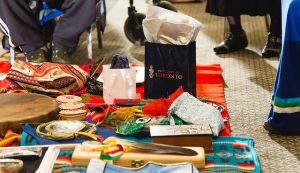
284,115
19,22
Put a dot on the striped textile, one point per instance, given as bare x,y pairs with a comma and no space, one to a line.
11,138
48,77
232,154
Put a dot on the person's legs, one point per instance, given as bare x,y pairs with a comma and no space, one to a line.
284,115
236,38
275,14
273,44
18,22
235,25
78,16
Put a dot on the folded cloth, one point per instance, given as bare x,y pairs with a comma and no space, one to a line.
105,133
11,138
191,110
232,154
48,77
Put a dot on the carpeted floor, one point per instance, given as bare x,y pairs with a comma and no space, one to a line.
248,76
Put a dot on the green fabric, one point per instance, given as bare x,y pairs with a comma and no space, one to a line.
177,120
130,127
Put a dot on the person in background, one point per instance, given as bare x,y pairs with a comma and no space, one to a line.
284,115
18,21
236,39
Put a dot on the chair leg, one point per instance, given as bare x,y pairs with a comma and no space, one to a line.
100,21
12,55
90,46
99,36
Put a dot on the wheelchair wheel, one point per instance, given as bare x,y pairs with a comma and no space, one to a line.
133,29
167,5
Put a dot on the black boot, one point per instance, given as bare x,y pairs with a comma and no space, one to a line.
272,47
60,55
268,127
36,56
232,42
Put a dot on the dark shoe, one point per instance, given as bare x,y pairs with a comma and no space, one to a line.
36,56
268,127
272,47
60,56
271,130
232,42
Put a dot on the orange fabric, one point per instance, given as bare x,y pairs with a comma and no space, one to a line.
10,139
161,106
210,86
4,67
157,107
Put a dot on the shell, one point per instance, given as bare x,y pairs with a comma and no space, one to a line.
65,126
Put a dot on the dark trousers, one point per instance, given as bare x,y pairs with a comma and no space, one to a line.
275,14
21,24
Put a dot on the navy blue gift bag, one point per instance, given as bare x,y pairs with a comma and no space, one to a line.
167,67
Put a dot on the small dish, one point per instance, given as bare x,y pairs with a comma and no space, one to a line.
65,126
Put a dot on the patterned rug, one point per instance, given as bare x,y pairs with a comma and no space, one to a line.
232,154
